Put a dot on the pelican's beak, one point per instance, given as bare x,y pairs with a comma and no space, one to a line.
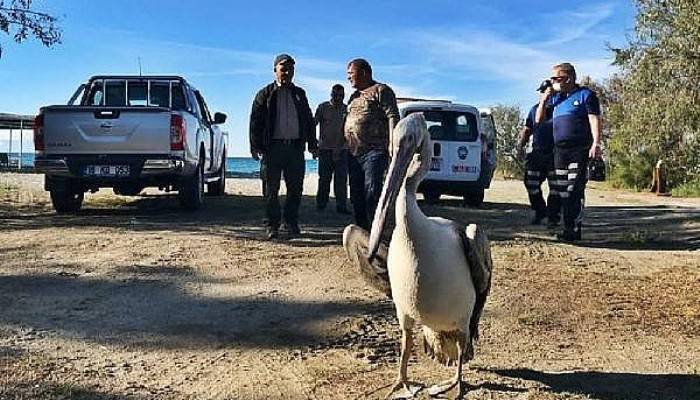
392,184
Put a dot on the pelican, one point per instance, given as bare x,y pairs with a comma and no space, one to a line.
439,272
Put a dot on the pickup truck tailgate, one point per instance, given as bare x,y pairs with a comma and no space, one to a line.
101,130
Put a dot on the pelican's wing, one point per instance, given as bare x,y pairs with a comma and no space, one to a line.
356,241
478,251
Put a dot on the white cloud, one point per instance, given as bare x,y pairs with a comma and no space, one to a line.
579,23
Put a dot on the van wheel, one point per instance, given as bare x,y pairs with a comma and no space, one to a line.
431,196
66,201
474,199
192,191
218,187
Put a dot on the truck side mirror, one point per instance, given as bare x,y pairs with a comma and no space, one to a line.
219,118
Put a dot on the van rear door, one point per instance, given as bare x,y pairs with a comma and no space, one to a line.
456,145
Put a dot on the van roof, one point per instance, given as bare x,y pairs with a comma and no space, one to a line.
437,105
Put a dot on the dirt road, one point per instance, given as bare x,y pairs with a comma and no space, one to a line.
132,299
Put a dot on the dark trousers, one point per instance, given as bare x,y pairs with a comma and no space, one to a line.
336,170
571,166
539,165
283,158
367,172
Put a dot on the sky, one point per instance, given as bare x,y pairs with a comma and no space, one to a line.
475,52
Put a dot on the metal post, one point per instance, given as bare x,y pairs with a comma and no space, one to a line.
21,134
9,152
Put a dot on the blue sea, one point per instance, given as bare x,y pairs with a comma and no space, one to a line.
235,166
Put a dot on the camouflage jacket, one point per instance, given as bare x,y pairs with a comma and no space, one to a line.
371,113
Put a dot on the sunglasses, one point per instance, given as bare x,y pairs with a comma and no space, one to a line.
558,78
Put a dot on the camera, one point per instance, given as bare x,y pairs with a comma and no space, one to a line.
544,85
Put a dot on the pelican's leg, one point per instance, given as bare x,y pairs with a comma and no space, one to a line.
402,389
444,387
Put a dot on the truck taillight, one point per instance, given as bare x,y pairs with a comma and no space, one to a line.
178,129
39,133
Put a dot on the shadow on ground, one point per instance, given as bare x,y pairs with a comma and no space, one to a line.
643,227
158,313
43,390
613,385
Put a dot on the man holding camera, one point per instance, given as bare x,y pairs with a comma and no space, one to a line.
539,165
576,126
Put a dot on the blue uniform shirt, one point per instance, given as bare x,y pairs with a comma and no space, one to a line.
570,117
542,139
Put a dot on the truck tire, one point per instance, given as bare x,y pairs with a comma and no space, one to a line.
66,201
192,190
474,199
431,196
128,189
218,187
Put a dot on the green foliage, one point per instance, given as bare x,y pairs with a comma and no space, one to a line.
689,189
19,20
508,120
655,113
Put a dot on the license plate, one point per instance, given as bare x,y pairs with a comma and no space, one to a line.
107,170
463,169
436,164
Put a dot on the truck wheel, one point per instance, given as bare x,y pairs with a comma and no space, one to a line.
218,187
127,190
474,199
431,196
66,201
192,190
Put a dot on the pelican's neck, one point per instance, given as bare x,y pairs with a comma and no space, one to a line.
407,209
419,167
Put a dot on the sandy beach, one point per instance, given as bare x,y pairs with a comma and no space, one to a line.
133,299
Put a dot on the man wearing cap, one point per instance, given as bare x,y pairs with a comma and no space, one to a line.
372,114
281,127
332,153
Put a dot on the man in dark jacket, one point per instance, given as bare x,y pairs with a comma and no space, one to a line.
281,126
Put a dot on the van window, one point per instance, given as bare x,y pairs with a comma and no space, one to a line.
451,125
160,94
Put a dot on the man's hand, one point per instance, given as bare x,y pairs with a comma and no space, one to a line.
544,96
351,142
314,153
256,154
594,151
520,150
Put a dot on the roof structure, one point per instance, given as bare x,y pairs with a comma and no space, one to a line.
16,121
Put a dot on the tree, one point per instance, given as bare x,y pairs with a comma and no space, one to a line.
20,21
657,116
508,120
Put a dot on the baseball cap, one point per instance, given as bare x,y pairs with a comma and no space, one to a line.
283,58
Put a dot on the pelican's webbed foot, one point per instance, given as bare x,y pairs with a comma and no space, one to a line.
404,390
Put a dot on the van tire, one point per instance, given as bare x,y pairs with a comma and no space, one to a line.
218,187
431,196
66,201
474,199
192,190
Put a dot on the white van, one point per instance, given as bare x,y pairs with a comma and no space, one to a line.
462,143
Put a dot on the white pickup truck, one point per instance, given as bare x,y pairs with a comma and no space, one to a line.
128,133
